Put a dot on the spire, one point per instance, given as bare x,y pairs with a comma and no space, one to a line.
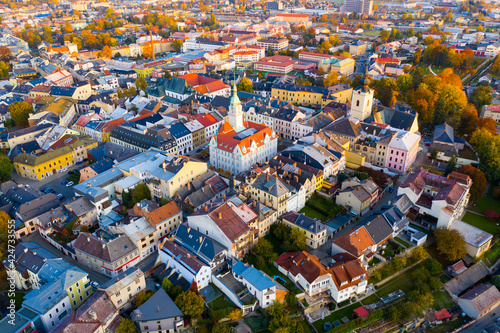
234,99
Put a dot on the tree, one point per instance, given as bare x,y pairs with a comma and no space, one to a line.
280,321
295,241
106,52
450,243
291,299
434,154
331,79
483,95
141,83
235,314
177,45
4,70
142,297
433,266
469,121
488,124
20,111
5,54
265,250
245,85
386,91
384,34
419,253
487,146
190,303
6,168
479,181
126,326
451,166
221,328
449,105
496,281
141,192
404,82
167,285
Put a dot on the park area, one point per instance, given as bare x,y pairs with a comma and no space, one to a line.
475,214
320,208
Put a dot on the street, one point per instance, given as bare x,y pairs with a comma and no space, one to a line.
35,237
486,324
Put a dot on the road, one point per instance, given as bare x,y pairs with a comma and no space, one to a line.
53,182
485,324
35,237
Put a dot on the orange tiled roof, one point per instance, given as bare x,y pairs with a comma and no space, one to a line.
226,141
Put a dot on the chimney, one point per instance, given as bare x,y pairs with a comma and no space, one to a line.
189,185
224,196
267,176
287,181
220,215
189,230
201,239
296,178
300,170
152,45
255,203
315,137
206,208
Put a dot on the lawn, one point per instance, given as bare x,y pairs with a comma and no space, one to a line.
442,300
314,214
482,222
492,255
370,299
425,231
402,242
401,282
371,33
337,315
220,303
484,204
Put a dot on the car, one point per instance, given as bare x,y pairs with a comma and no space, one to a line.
70,184
64,182
391,189
95,284
27,185
72,172
59,196
44,189
427,143
64,169
50,190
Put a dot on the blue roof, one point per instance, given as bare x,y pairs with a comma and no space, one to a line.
102,165
179,130
251,274
38,81
62,91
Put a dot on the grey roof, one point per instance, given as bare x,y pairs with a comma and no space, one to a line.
112,151
272,185
110,250
467,279
345,127
304,222
159,306
81,206
395,118
378,228
157,136
443,133
203,246
37,207
200,196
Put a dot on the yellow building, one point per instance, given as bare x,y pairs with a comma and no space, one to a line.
354,160
77,285
49,163
305,95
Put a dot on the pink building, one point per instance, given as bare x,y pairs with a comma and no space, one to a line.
402,152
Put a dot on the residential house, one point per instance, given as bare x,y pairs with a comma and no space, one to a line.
158,313
165,219
139,231
357,196
316,232
480,300
356,242
122,290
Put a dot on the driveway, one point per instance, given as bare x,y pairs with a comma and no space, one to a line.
35,237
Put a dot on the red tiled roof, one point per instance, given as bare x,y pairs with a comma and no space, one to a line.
229,222
226,141
355,241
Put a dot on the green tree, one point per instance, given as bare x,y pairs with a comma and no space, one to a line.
295,241
483,95
20,111
496,281
479,181
142,297
450,243
384,35
265,250
140,192
419,253
141,83
190,303
291,299
487,147
6,168
177,45
245,85
221,328
433,266
4,70
451,166
126,326
434,154
404,82
386,91
167,285
450,104
280,321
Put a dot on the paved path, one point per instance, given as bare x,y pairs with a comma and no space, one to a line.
35,237
473,212
430,70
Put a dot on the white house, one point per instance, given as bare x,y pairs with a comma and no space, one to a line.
258,284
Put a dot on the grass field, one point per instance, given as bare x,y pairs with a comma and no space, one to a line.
442,300
314,214
370,299
484,204
337,315
220,303
492,255
481,222
371,33
402,242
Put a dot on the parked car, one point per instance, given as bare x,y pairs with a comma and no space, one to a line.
95,284
64,182
50,190
391,189
59,196
72,172
69,184
64,169
44,189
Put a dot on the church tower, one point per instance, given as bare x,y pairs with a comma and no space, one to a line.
235,113
362,99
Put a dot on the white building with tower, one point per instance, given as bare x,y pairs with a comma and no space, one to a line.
239,144
362,99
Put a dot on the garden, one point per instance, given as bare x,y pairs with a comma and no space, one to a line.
321,208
